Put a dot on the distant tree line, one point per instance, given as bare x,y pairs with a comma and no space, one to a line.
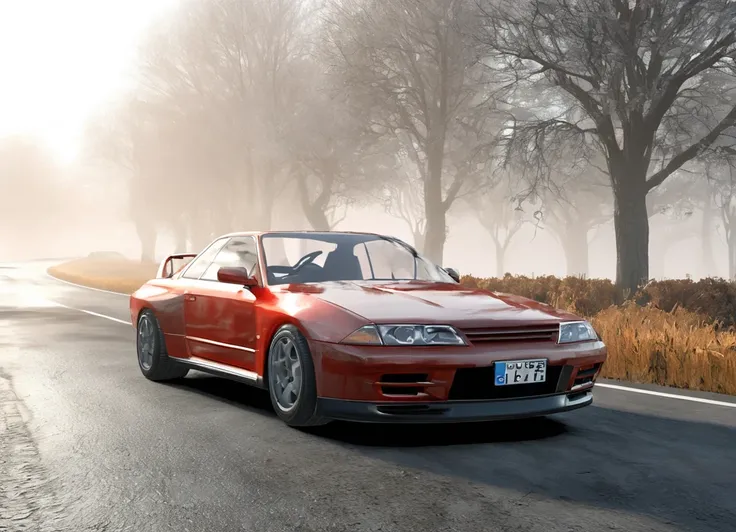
562,113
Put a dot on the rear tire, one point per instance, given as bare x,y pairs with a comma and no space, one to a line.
153,360
292,385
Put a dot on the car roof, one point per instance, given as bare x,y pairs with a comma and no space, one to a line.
328,236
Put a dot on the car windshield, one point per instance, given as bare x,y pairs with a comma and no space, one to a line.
321,257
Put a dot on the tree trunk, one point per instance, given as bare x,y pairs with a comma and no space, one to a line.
434,210
631,224
709,263
418,240
575,246
500,260
731,236
316,217
147,235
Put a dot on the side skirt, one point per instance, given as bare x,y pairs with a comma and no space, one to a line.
222,370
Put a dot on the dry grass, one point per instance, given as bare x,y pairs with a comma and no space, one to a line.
660,343
116,275
677,348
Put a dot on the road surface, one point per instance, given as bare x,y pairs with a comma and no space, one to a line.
88,444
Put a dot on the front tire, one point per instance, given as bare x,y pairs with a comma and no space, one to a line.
153,359
292,385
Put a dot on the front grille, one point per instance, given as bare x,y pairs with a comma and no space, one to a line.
534,333
478,384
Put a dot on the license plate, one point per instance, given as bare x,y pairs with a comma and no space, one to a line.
520,372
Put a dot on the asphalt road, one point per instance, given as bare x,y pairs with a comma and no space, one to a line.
88,444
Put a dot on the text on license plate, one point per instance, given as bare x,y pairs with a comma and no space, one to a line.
520,372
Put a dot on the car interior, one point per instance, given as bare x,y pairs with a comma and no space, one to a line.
341,264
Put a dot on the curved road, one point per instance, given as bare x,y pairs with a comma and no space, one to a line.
88,444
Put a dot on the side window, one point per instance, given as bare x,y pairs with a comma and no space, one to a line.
239,252
200,264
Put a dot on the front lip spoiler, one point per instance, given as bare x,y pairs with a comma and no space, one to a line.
452,411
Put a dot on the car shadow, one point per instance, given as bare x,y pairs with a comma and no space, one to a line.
428,435
377,435
673,471
227,391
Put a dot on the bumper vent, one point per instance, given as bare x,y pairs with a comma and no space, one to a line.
536,333
586,376
404,384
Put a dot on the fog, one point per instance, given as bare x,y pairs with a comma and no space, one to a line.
272,114
93,216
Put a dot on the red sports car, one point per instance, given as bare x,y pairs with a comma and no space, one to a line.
359,326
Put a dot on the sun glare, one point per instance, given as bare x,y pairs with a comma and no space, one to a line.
63,59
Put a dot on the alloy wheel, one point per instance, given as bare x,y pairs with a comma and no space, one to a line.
285,373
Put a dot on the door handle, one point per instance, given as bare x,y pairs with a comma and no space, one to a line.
191,298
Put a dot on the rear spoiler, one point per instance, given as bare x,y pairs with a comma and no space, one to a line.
166,269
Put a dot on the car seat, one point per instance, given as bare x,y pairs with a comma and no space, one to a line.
341,264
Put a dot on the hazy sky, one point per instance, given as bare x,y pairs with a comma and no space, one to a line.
60,59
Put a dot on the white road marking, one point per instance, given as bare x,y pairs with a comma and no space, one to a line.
86,287
667,395
102,316
97,314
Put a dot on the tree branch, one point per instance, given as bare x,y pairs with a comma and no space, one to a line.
693,151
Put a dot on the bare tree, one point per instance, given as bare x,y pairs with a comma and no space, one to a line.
722,178
125,136
625,73
402,198
502,220
336,158
220,83
412,65
581,205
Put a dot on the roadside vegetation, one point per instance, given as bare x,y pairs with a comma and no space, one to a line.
113,274
679,333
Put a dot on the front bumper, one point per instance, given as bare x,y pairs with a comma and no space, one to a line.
451,376
452,411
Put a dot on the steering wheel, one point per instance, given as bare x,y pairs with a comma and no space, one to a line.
306,259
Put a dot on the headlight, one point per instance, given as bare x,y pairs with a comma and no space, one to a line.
576,331
405,335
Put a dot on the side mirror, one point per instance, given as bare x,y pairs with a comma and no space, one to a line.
452,272
236,276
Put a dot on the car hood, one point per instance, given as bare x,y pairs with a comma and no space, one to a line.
425,302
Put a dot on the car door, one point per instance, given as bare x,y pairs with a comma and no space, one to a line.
171,309
220,317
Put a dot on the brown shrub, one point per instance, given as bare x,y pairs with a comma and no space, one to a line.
680,334
679,348
714,299
583,296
